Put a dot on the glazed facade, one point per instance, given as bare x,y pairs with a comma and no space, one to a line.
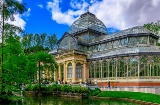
87,53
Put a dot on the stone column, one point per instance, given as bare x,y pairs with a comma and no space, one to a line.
74,71
65,69
59,71
138,67
127,62
150,67
55,75
116,63
84,72
94,70
108,68
101,67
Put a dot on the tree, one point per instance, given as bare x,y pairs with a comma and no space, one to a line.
154,27
33,43
8,9
44,61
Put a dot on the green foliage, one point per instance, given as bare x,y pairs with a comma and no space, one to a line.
132,95
13,7
94,92
33,43
57,87
66,88
154,27
84,90
44,88
33,87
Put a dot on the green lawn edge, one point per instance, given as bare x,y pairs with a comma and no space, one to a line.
148,97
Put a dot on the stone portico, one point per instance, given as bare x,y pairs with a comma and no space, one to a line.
72,67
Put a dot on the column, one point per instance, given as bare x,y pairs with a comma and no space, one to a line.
55,75
84,72
127,67
116,68
94,70
127,70
108,68
65,69
150,67
101,68
138,67
59,71
74,72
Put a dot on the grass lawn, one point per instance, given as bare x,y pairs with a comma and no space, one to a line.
132,95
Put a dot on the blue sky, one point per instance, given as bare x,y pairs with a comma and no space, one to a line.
56,16
40,20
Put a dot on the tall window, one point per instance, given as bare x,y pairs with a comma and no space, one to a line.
69,70
91,70
78,70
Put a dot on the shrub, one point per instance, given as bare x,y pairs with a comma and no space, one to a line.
84,90
94,92
65,88
43,88
28,87
33,87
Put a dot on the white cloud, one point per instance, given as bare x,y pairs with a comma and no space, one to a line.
27,13
120,14
18,21
19,1
40,5
60,17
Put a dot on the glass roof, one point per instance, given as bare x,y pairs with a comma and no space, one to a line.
87,20
134,30
126,50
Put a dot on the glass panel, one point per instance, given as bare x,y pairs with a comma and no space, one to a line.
104,69
80,48
101,47
91,70
97,70
123,42
115,44
87,21
151,40
70,70
143,40
67,43
109,45
95,48
78,70
132,41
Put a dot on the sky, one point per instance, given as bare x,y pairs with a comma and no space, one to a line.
56,16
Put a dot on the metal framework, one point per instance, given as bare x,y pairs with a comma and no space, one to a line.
130,54
87,20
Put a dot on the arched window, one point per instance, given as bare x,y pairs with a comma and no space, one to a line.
78,70
69,69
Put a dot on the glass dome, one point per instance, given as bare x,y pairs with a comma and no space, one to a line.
87,20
